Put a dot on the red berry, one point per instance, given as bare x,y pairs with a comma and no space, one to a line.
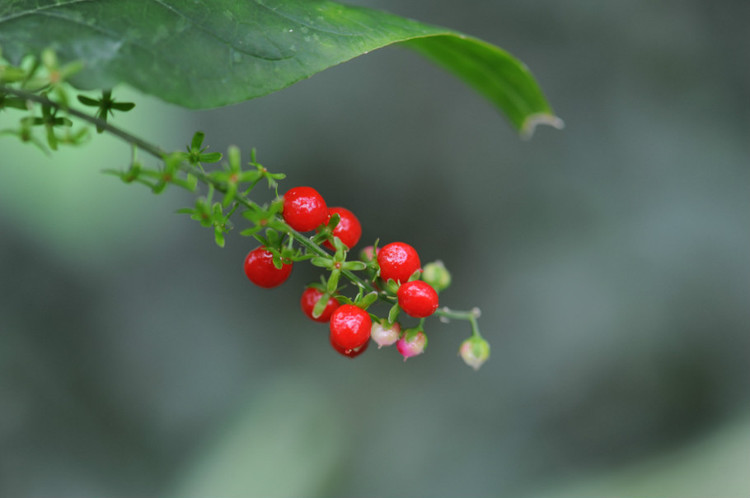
304,209
417,299
350,327
261,271
350,353
349,230
310,298
398,261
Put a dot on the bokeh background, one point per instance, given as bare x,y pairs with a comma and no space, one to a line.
611,261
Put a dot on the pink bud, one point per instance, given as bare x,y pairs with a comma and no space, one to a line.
368,253
383,334
412,344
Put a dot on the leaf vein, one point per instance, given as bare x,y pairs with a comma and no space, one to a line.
216,35
41,9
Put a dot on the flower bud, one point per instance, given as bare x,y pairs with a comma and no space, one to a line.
383,334
368,253
474,351
413,343
437,275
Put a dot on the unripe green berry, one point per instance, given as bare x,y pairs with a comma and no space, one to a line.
437,275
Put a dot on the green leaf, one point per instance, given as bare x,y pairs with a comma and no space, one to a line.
320,305
322,262
123,106
197,141
219,237
393,314
354,266
88,101
211,157
202,54
367,300
333,282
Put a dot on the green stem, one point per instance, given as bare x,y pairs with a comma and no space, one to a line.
161,154
470,316
152,149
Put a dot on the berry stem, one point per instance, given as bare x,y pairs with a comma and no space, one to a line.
310,244
152,149
161,154
470,316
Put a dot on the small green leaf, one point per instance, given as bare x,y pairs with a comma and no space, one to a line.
229,194
322,262
10,74
197,141
343,299
320,305
122,106
354,265
392,286
49,59
88,101
70,69
367,300
333,281
235,162
217,210
334,220
341,249
12,102
211,157
393,314
218,236
274,239
415,276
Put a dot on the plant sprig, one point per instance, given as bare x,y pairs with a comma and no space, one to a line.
44,97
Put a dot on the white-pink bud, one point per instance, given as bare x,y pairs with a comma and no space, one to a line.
383,334
474,351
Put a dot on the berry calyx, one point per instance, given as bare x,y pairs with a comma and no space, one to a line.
261,271
350,327
310,298
474,351
304,209
349,229
413,343
398,261
385,335
417,299
350,353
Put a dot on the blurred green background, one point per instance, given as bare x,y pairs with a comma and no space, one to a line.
611,261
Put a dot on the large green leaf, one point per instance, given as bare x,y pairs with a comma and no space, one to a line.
209,53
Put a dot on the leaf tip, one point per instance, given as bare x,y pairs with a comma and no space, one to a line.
534,120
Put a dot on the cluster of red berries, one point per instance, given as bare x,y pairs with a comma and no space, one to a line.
395,267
